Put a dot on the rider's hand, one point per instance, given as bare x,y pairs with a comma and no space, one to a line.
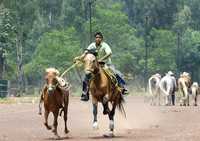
76,59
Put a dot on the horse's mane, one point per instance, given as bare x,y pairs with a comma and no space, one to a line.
53,70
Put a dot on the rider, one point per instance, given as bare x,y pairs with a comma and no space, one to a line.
103,51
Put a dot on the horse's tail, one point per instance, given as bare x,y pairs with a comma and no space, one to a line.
121,106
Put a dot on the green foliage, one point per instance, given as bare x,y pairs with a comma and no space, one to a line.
183,19
119,35
163,51
191,51
52,32
56,49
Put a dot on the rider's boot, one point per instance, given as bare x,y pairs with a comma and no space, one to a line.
85,92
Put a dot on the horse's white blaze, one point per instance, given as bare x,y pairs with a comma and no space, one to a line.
50,88
95,125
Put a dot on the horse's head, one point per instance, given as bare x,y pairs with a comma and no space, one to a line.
90,64
51,80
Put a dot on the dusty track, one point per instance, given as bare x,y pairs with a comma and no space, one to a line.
20,122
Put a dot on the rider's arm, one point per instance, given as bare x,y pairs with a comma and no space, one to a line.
80,58
108,52
105,57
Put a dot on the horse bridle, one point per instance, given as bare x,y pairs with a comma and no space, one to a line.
53,86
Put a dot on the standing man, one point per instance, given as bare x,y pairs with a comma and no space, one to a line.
103,52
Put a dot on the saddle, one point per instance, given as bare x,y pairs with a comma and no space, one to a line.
111,76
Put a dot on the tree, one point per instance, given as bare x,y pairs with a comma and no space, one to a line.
120,36
56,49
163,52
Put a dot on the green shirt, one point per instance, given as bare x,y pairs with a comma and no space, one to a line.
102,50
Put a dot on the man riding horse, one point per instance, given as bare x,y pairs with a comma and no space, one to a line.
103,52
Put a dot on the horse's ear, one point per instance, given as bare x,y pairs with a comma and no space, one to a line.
47,71
57,73
46,76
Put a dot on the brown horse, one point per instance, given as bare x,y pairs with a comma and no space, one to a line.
102,90
184,84
55,100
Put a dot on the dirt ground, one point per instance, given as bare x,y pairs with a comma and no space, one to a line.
21,122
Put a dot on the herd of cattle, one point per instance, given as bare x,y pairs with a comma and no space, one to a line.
169,86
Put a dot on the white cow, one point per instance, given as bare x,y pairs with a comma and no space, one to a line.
168,87
154,89
195,92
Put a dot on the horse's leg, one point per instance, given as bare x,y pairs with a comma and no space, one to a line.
66,103
186,96
155,98
95,111
106,109
195,99
152,99
173,99
40,107
188,100
183,98
55,122
46,114
111,118
159,94
166,100
170,99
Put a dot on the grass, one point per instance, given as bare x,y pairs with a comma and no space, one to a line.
14,100
33,95
6,101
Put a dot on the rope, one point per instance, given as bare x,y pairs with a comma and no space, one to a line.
71,67
79,75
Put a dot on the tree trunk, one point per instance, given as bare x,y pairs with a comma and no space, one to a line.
50,18
1,63
20,73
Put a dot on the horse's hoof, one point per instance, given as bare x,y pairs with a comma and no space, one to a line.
95,126
40,113
54,131
195,104
66,131
106,111
109,135
57,137
47,126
